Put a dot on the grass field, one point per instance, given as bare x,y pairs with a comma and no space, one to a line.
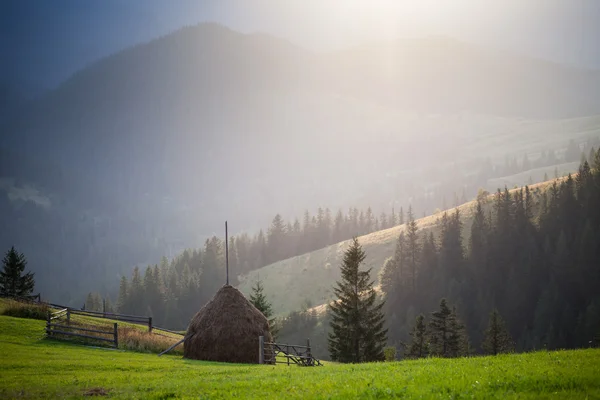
33,367
131,336
310,277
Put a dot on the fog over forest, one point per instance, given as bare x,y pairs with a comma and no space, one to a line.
134,153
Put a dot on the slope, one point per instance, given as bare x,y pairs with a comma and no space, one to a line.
33,367
307,280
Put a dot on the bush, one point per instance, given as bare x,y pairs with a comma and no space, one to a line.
26,310
390,353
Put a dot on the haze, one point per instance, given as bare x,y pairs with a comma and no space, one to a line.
133,130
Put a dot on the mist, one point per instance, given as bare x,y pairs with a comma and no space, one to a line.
132,131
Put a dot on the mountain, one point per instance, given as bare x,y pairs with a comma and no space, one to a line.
149,150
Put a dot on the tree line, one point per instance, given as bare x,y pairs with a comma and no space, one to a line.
171,292
533,258
530,256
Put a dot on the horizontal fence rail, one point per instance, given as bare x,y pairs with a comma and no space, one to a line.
134,319
156,328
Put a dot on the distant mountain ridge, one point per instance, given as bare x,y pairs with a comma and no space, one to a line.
156,145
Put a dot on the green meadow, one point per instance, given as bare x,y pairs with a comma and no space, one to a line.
34,367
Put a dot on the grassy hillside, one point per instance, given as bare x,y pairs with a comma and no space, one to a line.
307,280
34,368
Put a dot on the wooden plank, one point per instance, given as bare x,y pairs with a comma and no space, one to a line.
116,335
80,335
156,328
172,347
110,315
81,329
261,349
284,344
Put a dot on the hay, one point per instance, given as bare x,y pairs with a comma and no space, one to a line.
226,329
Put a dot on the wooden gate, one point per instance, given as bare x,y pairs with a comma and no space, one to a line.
279,353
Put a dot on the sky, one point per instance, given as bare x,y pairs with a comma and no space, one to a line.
43,42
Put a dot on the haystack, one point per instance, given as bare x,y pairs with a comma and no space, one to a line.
226,329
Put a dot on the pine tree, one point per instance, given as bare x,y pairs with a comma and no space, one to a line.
447,335
393,221
418,346
413,248
12,280
458,340
259,300
387,275
338,228
357,322
497,339
439,329
276,240
123,300
136,294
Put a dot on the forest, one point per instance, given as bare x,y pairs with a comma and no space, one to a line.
540,273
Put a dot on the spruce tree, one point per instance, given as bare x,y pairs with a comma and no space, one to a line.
418,345
276,240
447,335
497,339
259,300
356,320
439,329
12,281
458,340
413,248
123,299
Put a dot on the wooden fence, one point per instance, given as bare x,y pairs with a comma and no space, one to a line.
276,353
58,325
135,319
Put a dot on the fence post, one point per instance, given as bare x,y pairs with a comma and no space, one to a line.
116,335
150,324
287,353
261,349
68,316
48,324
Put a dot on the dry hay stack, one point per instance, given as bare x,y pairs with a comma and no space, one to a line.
226,329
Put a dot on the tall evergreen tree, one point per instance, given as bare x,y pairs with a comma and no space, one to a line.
259,300
357,321
447,336
418,346
123,299
12,280
497,339
413,248
136,293
276,240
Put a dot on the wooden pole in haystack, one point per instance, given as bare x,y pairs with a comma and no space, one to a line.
226,255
